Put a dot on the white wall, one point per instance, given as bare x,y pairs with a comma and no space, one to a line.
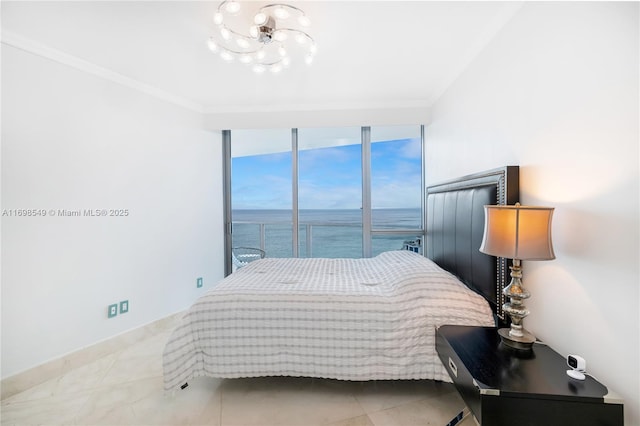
556,92
71,140
338,117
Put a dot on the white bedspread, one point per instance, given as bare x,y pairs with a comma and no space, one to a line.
348,319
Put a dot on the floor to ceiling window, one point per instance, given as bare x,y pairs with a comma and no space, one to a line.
396,186
325,192
330,192
261,196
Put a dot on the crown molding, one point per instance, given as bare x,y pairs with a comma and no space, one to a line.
12,39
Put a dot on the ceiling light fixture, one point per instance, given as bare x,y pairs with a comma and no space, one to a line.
266,40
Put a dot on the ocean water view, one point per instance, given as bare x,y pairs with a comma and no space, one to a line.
322,233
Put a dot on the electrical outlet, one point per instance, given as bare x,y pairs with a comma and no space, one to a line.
112,311
199,282
124,306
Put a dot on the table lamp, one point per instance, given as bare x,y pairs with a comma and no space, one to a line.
518,233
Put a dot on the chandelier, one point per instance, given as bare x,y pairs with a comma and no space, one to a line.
267,39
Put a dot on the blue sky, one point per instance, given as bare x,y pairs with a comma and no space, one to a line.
330,178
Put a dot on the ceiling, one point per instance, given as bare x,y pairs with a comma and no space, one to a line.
370,53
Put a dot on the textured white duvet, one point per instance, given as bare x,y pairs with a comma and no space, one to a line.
348,319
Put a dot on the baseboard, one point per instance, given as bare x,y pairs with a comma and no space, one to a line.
34,376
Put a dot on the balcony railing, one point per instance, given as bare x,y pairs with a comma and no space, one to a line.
335,239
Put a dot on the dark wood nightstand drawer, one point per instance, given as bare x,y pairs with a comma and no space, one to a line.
503,386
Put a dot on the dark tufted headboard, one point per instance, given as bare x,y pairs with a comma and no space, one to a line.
455,226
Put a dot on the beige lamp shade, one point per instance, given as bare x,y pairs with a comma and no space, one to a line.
518,232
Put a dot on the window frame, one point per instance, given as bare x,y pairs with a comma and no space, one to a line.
368,231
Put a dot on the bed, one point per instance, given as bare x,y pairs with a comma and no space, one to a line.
352,319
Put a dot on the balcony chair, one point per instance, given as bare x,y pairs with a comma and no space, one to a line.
241,256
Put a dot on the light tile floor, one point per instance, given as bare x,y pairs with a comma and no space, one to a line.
125,388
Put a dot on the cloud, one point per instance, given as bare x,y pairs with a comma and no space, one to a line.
330,178
412,148
312,195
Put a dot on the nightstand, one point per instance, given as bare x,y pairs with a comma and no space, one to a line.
503,386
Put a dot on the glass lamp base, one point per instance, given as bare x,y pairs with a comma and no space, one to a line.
525,342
